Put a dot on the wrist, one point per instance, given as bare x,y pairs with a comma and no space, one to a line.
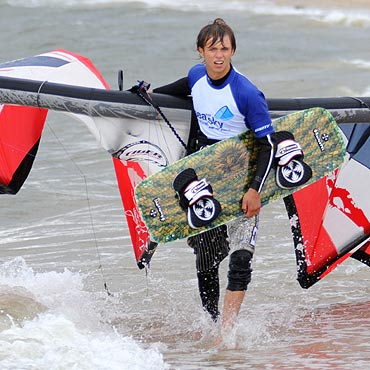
255,184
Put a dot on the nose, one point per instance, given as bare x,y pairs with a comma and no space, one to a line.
218,54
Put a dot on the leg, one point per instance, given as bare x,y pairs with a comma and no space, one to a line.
210,248
209,290
232,304
239,277
242,237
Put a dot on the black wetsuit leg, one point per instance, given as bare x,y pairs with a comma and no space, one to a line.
209,290
210,248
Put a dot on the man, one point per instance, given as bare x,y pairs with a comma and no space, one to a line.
225,104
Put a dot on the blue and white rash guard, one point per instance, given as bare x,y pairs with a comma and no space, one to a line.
228,109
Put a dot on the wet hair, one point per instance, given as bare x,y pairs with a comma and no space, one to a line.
215,31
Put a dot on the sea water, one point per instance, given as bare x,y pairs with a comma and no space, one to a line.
71,296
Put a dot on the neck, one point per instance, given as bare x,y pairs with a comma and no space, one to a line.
221,80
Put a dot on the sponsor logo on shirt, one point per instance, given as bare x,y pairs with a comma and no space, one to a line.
216,121
224,113
209,120
262,128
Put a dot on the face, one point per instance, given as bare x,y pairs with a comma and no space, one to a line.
217,57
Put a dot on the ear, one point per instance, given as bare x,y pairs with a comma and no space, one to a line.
201,52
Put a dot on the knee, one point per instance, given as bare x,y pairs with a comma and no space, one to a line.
240,270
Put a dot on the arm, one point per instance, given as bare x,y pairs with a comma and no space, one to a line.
251,202
252,104
177,88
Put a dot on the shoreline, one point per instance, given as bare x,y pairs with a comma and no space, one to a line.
327,4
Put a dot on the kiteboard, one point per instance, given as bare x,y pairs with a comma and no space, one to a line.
228,167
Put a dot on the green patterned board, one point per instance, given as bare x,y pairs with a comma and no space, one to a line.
229,166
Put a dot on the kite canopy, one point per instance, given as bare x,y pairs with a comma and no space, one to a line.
329,219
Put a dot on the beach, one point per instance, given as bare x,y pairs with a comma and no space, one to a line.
329,4
71,295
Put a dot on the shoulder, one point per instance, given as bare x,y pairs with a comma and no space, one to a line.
244,90
240,81
195,73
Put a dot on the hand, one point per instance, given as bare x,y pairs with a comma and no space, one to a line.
251,203
142,87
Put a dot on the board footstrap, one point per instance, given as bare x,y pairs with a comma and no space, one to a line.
291,170
196,198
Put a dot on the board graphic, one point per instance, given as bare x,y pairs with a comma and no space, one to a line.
228,166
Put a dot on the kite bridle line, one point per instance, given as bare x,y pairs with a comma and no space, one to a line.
141,91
